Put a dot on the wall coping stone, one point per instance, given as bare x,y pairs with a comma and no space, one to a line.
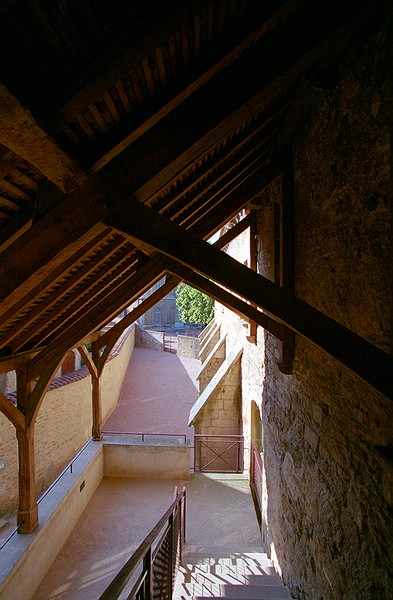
83,372
224,369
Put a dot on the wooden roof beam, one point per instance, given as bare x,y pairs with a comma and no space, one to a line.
55,297
369,362
53,277
221,295
268,25
54,238
91,290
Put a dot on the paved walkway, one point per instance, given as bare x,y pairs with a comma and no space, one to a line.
158,391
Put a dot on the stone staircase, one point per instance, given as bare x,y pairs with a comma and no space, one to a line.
218,573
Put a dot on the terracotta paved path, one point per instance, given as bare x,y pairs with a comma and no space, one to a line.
158,392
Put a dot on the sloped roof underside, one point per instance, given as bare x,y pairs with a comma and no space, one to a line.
184,109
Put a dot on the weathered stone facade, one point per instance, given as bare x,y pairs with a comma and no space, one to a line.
327,436
154,340
187,346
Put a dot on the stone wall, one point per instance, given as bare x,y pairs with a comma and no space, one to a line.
63,425
211,365
330,520
188,346
154,340
221,413
327,436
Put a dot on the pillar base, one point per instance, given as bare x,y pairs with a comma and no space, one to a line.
97,435
28,520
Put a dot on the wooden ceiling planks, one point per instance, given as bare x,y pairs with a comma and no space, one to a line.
185,109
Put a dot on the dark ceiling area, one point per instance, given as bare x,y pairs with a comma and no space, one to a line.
124,119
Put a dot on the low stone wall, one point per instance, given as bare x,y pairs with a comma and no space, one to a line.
188,346
27,558
147,461
154,340
64,423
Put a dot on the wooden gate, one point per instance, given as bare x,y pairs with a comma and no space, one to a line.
218,453
170,343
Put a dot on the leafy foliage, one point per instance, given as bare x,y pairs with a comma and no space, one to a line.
194,306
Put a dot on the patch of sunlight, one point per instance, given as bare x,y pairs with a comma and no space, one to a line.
114,557
274,559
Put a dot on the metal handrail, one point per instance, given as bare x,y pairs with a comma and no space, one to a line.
64,471
13,532
145,555
52,485
144,435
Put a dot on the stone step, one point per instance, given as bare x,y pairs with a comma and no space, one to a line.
271,592
213,572
214,589
230,574
214,554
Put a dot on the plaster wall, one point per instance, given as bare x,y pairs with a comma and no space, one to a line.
147,462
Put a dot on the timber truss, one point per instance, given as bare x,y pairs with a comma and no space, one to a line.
130,133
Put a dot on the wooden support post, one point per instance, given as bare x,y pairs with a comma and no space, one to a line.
96,394
95,363
27,516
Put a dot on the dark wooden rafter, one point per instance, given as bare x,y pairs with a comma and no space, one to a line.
237,199
55,297
109,338
99,314
52,279
98,284
216,164
220,115
228,299
147,37
12,413
99,289
370,363
53,239
219,191
199,83
22,135
222,112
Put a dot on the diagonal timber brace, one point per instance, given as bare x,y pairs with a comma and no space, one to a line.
370,363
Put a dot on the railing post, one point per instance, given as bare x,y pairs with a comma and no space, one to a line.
172,531
148,567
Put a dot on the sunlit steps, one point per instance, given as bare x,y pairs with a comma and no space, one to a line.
215,573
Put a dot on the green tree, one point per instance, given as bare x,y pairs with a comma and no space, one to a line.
194,306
